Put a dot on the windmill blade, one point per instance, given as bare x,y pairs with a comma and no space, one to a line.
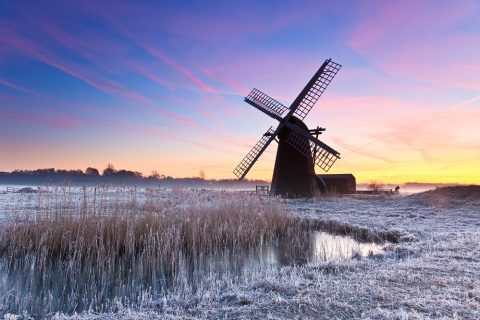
247,163
314,89
322,154
322,157
266,104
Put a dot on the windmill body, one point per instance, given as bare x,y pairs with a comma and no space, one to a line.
299,149
294,173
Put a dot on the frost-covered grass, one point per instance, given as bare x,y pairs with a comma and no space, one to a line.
133,236
434,275
432,272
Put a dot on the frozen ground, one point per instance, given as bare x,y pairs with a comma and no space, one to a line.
433,274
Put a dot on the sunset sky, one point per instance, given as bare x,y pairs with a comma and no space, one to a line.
152,85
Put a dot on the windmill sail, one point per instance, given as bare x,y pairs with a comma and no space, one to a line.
266,104
298,149
246,164
323,155
314,89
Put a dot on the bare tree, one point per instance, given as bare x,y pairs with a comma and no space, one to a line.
375,186
155,175
109,170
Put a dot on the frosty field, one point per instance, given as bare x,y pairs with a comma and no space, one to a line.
429,269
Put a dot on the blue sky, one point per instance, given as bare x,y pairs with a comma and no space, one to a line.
160,85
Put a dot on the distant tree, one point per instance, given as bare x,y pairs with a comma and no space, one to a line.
375,186
77,172
125,173
48,171
154,175
92,172
109,170
202,174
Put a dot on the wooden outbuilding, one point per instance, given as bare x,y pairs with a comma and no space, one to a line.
338,183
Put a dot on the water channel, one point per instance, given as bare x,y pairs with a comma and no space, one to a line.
24,286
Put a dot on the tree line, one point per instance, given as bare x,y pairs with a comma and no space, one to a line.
110,175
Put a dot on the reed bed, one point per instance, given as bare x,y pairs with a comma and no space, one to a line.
432,276
97,237
127,223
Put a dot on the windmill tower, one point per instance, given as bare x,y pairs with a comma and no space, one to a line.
299,149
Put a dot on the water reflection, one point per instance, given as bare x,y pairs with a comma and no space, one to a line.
332,247
54,286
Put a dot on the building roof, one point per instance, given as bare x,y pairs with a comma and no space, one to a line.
336,176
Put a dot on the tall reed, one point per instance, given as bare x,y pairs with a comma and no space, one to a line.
95,238
110,225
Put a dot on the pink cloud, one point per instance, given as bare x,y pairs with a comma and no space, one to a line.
33,50
235,85
144,71
430,132
92,50
194,105
50,119
44,115
385,21
367,104
210,115
449,61
37,105
206,26
88,51
132,21
161,134
16,87
150,49
351,148
48,57
398,130
179,68
419,41
383,17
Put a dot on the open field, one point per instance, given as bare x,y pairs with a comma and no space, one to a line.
430,271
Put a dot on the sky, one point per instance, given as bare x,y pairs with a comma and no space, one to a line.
159,85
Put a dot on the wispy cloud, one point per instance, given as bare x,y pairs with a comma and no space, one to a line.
179,68
37,52
49,120
414,39
235,85
16,87
155,132
152,50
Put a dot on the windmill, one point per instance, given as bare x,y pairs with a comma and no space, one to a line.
299,149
